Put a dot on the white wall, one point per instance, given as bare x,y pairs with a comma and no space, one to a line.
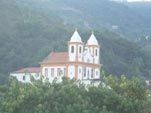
50,77
88,57
72,56
19,76
96,73
91,54
71,71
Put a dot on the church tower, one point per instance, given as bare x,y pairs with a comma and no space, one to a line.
75,48
75,56
94,49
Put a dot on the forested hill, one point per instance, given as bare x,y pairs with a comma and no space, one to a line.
9,16
126,19
28,34
143,8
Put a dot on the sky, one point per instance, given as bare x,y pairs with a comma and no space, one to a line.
138,0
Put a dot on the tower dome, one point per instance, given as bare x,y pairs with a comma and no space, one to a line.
92,40
76,37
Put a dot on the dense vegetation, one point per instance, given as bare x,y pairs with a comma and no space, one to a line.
132,19
119,95
27,36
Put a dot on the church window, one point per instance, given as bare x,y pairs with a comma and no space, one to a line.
96,52
88,74
24,77
52,72
92,73
72,49
84,72
96,73
46,72
80,49
59,72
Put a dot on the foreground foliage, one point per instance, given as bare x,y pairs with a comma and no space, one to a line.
119,95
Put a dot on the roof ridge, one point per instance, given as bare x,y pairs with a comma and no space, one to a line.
30,69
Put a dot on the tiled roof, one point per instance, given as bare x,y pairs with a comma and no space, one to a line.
56,57
29,70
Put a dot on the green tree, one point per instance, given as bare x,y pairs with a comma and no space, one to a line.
118,95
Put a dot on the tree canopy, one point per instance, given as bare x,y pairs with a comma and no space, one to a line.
118,95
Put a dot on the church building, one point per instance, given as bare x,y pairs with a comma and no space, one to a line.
80,62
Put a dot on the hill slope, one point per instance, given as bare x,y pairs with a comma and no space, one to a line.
27,35
97,14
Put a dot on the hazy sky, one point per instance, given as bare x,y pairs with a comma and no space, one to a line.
138,0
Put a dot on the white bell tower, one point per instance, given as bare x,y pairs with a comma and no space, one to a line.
75,55
94,48
75,48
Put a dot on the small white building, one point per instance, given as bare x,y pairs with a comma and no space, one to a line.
80,62
24,75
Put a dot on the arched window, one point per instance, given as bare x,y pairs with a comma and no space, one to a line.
80,49
96,73
24,78
46,72
92,73
52,72
59,72
88,74
84,72
72,49
96,52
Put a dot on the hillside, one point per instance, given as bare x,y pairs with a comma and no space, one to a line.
99,14
27,35
142,8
